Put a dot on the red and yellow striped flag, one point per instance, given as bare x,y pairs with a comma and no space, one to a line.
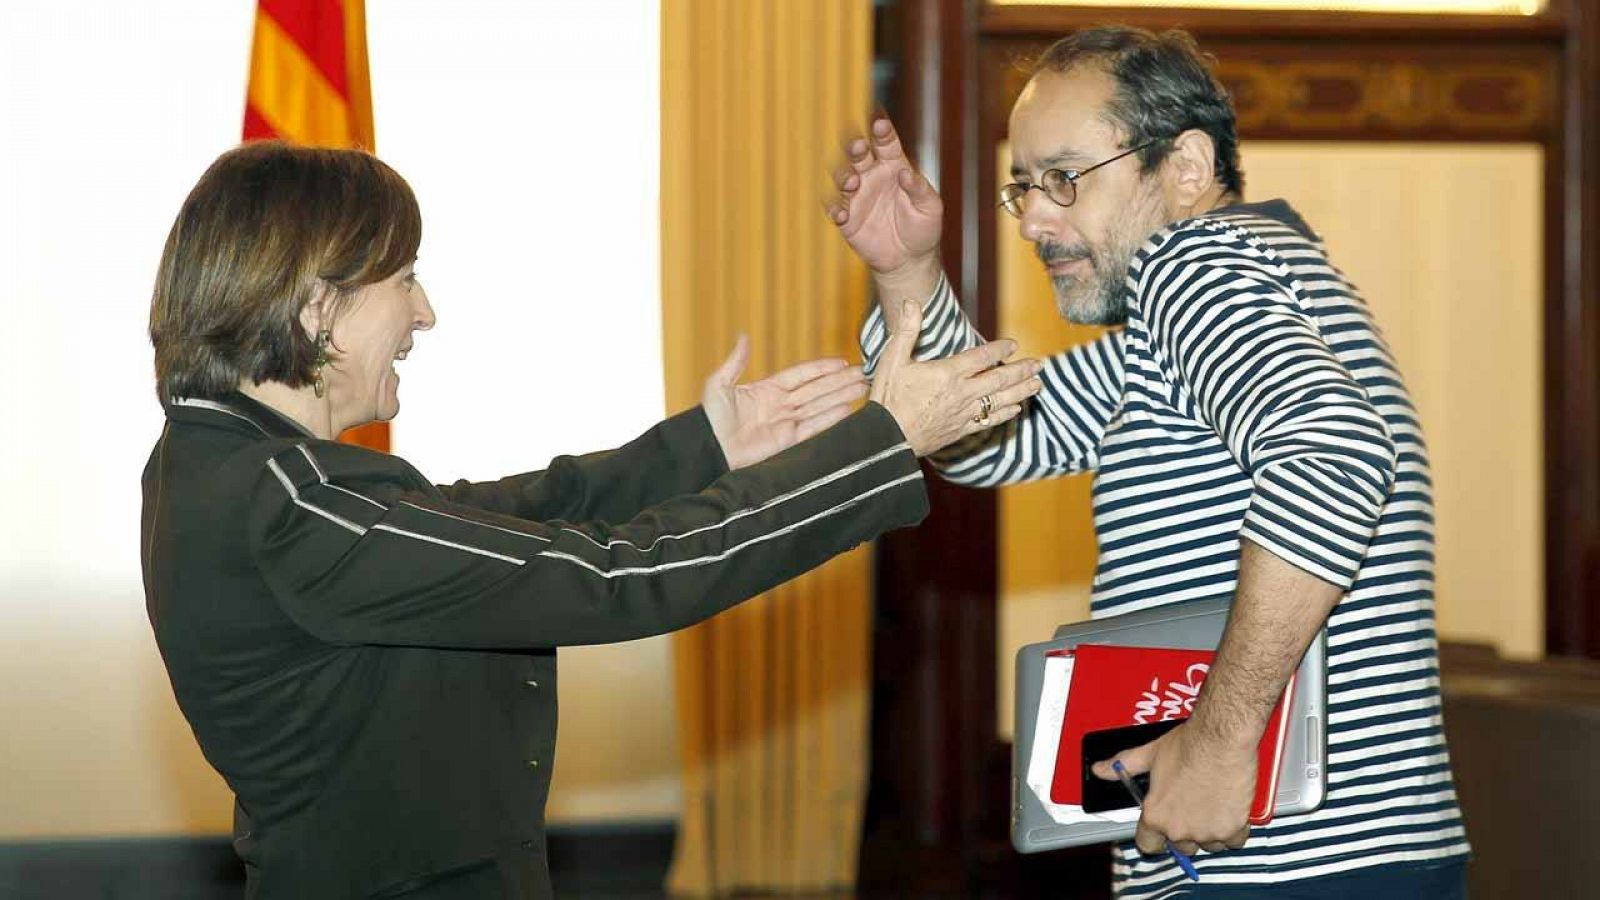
309,84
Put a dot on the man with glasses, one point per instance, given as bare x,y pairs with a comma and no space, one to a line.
1251,438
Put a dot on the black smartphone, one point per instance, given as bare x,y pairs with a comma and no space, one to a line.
1100,795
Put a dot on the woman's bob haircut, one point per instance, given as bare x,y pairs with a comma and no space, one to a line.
269,225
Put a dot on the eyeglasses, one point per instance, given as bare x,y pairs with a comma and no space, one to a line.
1060,185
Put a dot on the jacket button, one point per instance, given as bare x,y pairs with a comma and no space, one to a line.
531,683
533,763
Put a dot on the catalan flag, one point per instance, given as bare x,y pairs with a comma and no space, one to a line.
308,74
309,84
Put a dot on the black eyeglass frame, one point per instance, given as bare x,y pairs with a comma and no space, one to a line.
1011,194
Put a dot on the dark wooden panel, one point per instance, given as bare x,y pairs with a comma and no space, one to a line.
1499,715
934,634
1572,353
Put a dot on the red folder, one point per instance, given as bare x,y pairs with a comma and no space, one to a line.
1116,686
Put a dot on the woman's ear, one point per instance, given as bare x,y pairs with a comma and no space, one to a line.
314,316
1192,166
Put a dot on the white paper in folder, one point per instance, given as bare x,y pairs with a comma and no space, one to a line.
1047,737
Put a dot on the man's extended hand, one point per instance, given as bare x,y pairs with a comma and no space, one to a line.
889,215
754,421
1200,791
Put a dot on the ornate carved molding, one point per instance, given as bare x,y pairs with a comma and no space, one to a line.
1390,98
1212,25
1394,95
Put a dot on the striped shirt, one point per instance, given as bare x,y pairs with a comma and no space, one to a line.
1251,395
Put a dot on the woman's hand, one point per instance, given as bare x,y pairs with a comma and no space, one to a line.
941,401
754,421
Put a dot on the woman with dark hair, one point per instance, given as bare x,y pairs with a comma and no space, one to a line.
369,659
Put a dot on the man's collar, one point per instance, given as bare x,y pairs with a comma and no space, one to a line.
1276,210
238,411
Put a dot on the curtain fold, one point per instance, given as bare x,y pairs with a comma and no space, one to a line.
773,695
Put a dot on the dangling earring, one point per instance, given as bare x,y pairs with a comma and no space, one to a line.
317,383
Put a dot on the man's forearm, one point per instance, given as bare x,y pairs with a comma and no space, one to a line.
1277,611
915,281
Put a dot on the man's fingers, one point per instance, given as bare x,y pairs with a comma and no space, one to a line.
810,370
983,356
1187,848
1150,841
860,154
921,192
1238,838
1214,846
1136,760
732,367
846,179
1104,771
885,140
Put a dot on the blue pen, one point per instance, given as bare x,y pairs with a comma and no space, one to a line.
1138,797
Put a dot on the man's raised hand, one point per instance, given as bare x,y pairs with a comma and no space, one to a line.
886,210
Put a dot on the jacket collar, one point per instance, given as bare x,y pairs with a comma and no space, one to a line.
237,412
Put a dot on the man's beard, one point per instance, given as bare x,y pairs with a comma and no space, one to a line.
1097,299
1102,299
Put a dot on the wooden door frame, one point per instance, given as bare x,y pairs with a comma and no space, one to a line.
935,819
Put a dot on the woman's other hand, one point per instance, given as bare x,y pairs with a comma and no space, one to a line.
754,421
941,401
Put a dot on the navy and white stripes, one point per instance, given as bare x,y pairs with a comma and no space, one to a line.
1250,395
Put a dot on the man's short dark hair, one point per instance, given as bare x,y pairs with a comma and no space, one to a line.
1165,86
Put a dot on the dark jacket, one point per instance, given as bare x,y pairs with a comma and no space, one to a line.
369,659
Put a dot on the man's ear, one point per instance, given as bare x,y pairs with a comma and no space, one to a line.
1191,167
315,315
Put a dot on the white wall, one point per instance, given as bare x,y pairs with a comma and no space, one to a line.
531,134
109,111
105,128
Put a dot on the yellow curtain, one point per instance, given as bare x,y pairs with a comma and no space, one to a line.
772,696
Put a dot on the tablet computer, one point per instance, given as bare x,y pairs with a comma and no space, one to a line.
1193,625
